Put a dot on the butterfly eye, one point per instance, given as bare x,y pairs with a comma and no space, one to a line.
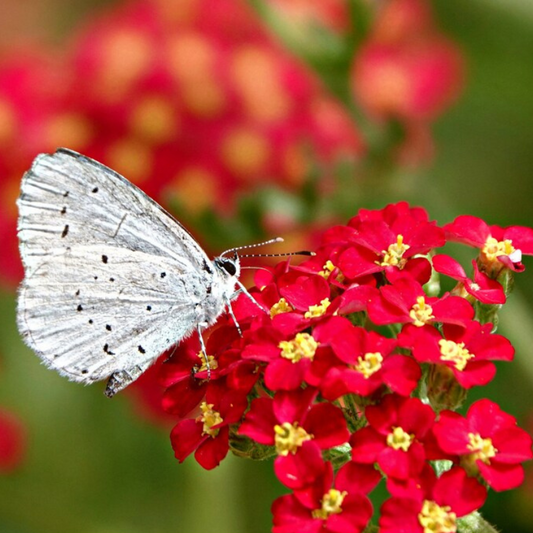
228,265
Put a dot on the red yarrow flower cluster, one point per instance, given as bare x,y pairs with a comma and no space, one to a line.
338,366
407,70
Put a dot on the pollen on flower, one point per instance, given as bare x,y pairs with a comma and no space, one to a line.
434,518
210,418
289,437
482,449
303,346
421,313
331,504
328,269
393,256
494,248
399,439
369,364
213,363
281,307
455,352
318,310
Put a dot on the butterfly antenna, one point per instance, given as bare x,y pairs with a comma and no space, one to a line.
270,241
282,254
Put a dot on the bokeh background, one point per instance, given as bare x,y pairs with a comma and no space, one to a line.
247,119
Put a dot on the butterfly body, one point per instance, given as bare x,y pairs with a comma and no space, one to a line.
111,279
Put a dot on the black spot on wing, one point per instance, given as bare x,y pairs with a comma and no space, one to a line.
64,210
163,274
65,231
141,349
104,259
108,327
95,190
79,308
148,307
107,350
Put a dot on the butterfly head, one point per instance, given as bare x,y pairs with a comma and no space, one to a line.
228,266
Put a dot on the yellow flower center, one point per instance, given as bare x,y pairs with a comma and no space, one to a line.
210,418
399,439
289,437
493,248
327,269
456,353
482,449
421,313
393,255
213,363
281,307
436,519
369,364
331,504
302,346
318,310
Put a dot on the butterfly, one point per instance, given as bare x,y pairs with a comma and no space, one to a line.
112,280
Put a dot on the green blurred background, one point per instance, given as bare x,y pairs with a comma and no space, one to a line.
94,466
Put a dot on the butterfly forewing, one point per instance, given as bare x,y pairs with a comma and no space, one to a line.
68,198
112,280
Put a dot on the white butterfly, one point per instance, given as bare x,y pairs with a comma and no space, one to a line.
112,280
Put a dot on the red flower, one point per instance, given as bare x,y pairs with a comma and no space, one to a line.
395,436
183,375
208,434
500,247
407,70
486,442
328,506
12,441
288,354
405,301
299,429
388,239
369,362
308,294
467,351
431,504
482,288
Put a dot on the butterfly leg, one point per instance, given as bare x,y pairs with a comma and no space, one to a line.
243,289
121,379
230,311
200,328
